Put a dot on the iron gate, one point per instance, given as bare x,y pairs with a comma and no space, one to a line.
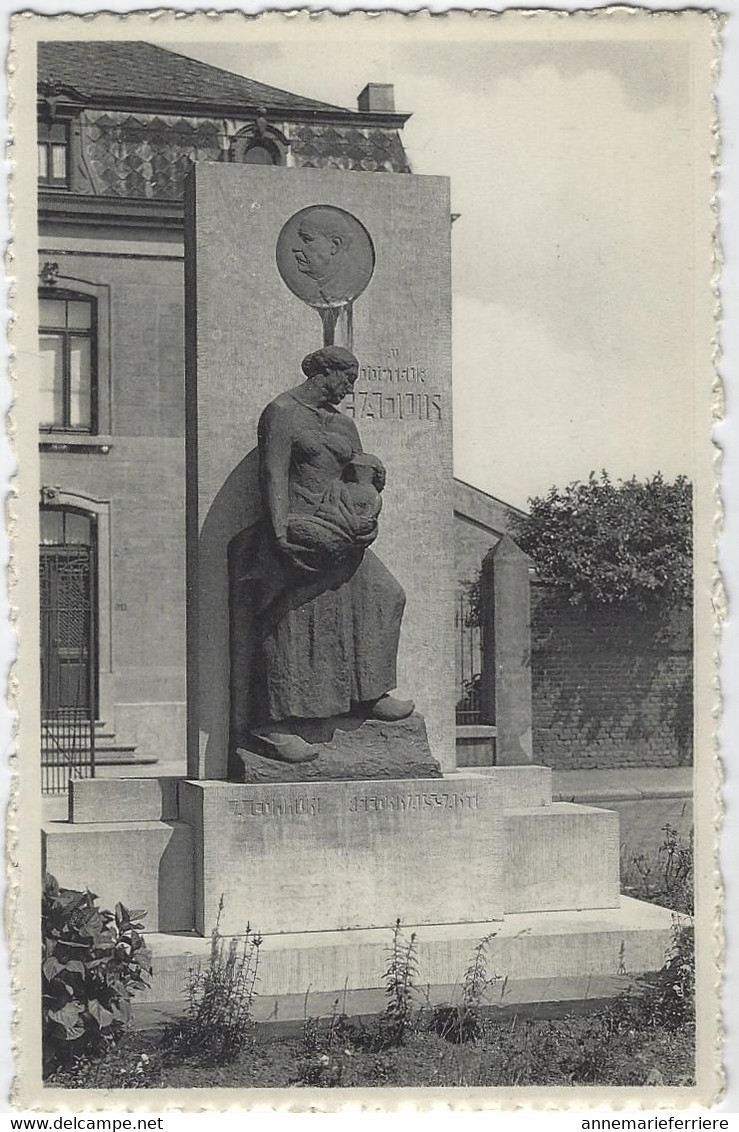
67,666
468,658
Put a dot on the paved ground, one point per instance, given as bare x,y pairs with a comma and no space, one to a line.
631,783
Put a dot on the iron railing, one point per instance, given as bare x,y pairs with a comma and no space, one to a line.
67,666
67,748
468,660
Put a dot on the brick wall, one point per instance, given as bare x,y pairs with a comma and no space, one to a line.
613,690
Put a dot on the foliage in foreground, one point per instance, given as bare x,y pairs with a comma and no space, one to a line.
666,879
515,1052
464,1021
93,962
604,544
219,1022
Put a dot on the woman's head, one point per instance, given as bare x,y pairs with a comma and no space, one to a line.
334,369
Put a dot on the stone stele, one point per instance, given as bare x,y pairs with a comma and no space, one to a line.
247,334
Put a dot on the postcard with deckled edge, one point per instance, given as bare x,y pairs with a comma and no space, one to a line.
363,539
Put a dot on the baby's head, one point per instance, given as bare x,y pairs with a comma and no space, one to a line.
365,468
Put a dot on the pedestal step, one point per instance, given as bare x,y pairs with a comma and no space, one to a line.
529,786
284,857
317,856
552,952
123,799
561,856
142,864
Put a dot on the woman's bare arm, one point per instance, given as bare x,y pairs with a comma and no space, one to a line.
275,445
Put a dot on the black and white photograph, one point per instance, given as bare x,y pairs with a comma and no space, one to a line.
365,507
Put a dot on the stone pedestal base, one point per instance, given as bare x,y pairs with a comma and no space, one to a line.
328,856
541,956
352,749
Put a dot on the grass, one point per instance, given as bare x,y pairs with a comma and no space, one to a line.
577,1050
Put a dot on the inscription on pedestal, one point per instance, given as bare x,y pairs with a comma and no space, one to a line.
334,855
410,803
273,807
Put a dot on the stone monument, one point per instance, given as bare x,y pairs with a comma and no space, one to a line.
280,264
320,575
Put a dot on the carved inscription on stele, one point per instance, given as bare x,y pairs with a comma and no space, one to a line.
376,802
374,404
403,393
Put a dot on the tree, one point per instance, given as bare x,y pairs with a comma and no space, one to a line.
625,544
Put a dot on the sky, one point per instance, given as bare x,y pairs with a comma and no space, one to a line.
571,166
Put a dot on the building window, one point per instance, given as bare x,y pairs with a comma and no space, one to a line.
261,153
266,147
66,347
63,526
53,154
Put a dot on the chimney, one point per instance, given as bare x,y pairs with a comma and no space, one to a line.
377,98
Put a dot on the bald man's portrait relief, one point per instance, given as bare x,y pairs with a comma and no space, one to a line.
325,256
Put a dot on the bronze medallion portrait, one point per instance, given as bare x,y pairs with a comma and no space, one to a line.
325,256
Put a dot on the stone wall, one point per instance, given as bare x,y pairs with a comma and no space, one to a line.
610,691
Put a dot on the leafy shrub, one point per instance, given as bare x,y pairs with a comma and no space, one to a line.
603,544
94,961
463,1021
219,1021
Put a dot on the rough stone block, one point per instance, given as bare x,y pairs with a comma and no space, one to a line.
561,856
352,748
325,856
122,799
142,864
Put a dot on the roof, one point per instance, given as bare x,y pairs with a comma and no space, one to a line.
483,509
129,70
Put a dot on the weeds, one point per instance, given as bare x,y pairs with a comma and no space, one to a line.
666,880
400,976
327,1047
219,1022
463,1021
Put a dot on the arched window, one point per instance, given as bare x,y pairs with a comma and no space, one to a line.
261,153
67,348
264,146
65,526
